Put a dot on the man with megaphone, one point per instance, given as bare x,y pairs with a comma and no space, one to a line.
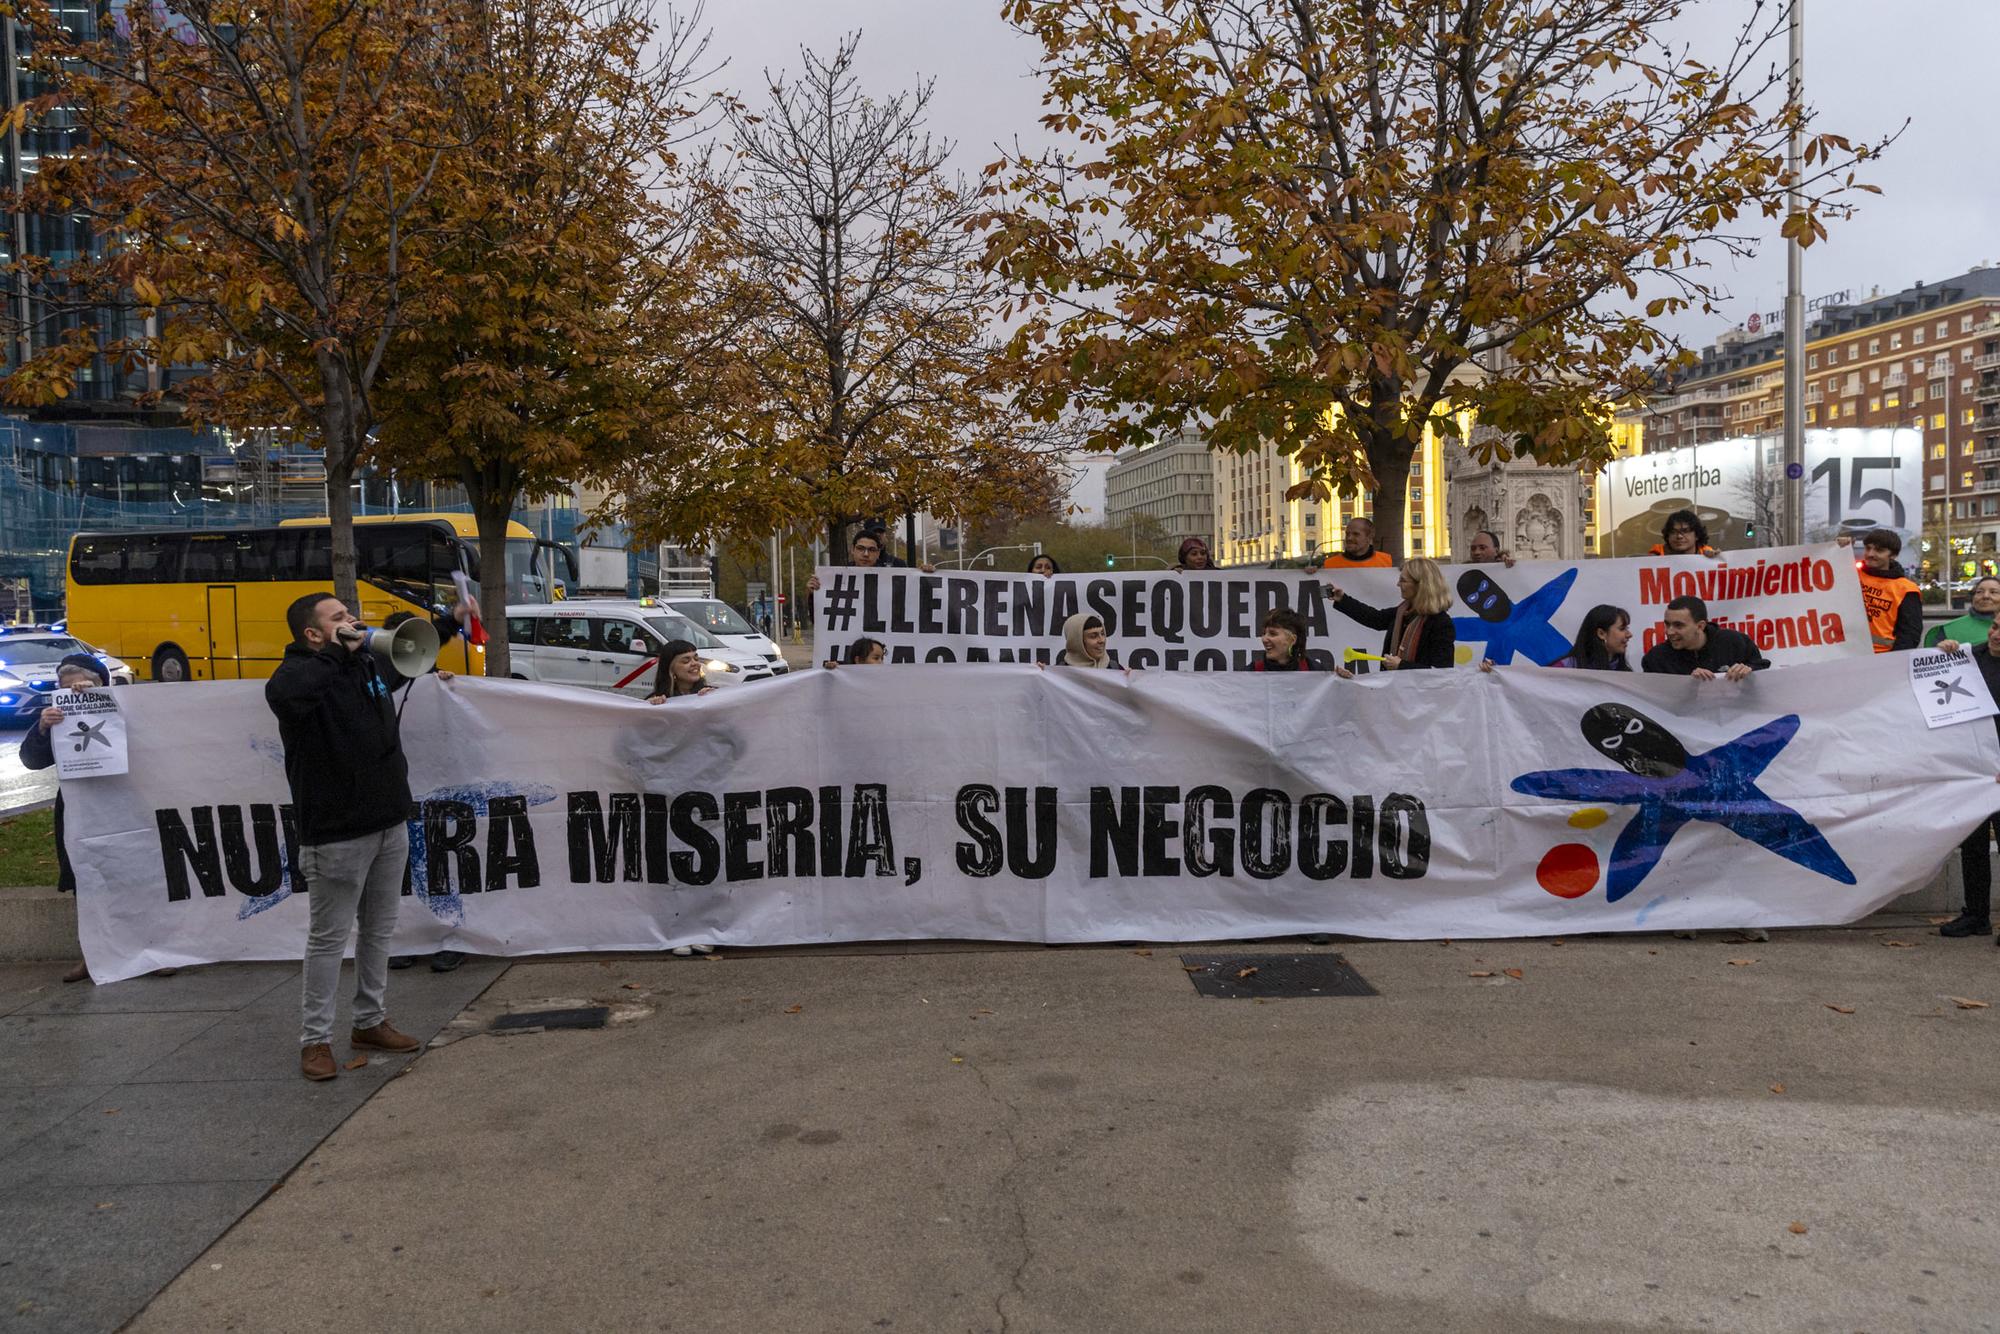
334,697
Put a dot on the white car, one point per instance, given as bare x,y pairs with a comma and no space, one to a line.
28,660
614,645
725,623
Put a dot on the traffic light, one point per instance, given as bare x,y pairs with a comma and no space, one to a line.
1110,562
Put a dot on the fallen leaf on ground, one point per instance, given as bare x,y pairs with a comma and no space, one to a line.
356,1063
1967,1003
793,1009
1479,974
1652,951
633,986
1144,954
1937,921
713,958
1555,942
1840,1009
982,1012
1514,973
1797,1229
108,1204
1194,968
1741,963
958,1060
1777,1088
1899,944
111,1111
1249,971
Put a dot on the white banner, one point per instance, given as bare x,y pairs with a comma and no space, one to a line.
1801,604
1005,803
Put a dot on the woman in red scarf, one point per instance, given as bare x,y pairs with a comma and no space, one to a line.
1416,632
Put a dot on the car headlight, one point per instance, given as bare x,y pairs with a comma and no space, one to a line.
718,665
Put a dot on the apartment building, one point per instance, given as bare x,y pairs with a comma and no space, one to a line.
1255,523
1927,357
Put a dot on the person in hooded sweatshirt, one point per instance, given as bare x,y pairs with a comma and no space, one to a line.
338,721
1083,642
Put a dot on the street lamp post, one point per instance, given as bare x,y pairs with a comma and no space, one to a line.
1795,302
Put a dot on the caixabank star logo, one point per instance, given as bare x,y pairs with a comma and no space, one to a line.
1669,789
1508,627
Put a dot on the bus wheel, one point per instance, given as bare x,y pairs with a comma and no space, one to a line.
169,664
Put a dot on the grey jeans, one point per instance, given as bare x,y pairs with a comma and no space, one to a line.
356,878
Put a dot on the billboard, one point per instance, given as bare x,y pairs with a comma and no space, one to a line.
1854,480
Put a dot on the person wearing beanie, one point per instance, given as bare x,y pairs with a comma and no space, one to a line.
679,673
1193,555
77,671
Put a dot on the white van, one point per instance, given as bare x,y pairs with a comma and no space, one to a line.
615,644
725,623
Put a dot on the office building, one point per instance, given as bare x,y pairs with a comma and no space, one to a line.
1171,482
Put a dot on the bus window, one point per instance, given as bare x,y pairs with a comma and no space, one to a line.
304,555
209,559
150,560
255,554
98,560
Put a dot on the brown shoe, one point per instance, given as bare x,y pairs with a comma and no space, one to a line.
316,1062
383,1038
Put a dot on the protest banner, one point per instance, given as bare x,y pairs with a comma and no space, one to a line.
90,741
1949,688
1005,803
1801,604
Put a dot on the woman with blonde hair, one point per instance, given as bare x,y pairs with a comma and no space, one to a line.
1416,632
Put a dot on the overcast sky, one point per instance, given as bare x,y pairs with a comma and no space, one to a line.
1869,65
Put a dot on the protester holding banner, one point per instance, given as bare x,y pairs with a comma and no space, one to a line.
1972,627
1416,632
1083,642
863,652
1974,861
351,796
868,551
1694,647
1193,555
1683,534
679,673
1357,549
1045,566
1601,641
1894,604
1284,637
1484,549
77,671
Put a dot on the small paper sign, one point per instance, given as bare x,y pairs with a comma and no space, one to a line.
90,740
1949,688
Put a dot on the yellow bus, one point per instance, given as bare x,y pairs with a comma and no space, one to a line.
208,604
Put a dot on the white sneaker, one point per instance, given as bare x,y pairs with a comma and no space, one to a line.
684,951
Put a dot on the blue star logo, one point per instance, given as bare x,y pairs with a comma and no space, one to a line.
1671,787
1509,627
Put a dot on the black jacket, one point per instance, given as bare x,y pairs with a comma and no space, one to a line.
337,717
1299,663
1989,670
1437,643
1724,649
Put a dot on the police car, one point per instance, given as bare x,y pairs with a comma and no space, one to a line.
28,660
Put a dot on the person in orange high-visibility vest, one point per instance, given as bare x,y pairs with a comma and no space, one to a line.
1894,605
1357,549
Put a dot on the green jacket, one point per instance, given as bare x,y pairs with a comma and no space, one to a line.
1969,630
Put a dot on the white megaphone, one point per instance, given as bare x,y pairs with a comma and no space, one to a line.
411,648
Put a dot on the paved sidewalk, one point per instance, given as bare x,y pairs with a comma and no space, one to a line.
139,1120
1634,1133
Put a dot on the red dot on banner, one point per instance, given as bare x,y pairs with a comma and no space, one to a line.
1568,870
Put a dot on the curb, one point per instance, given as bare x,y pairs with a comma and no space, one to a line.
36,924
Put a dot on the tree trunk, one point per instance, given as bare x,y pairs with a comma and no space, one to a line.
340,517
1390,457
339,437
492,507
836,541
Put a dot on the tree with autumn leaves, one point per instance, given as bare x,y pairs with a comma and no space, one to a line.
567,323
1333,223
251,174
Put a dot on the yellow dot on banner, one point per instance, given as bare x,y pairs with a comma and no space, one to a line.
1463,654
1589,819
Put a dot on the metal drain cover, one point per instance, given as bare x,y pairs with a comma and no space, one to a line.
589,1016
1273,976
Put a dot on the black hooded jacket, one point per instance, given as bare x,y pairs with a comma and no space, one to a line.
337,717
